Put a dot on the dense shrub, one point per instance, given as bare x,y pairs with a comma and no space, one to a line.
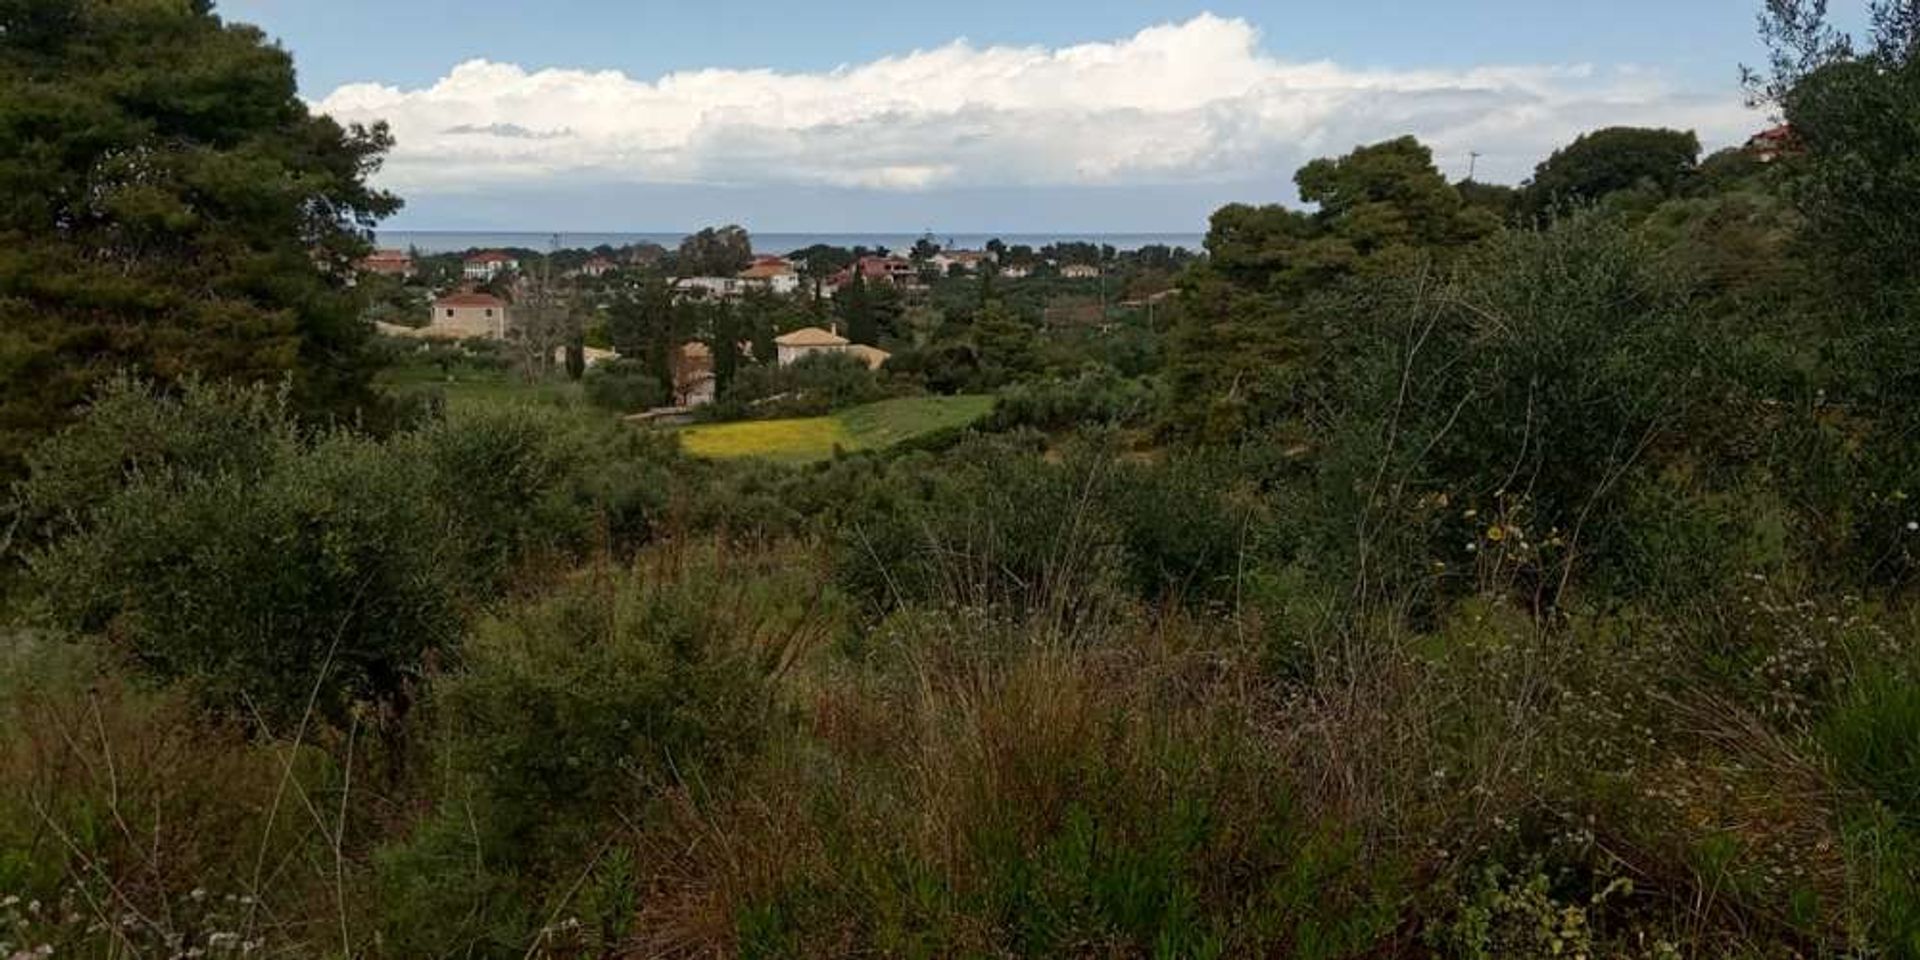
624,386
813,385
272,572
1498,426
992,524
566,725
324,577
1096,396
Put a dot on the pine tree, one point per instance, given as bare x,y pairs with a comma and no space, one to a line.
168,204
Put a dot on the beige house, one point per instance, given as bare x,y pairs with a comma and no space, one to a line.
807,341
1079,271
468,315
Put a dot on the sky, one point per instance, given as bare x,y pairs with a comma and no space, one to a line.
986,116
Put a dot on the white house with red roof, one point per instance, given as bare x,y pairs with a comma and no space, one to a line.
485,266
772,273
390,263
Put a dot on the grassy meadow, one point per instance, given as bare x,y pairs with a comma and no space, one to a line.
873,426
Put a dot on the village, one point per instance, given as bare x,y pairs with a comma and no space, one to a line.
505,296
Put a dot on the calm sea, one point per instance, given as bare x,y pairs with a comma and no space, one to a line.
450,241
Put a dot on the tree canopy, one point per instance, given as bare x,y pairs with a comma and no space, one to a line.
168,203
716,252
1611,160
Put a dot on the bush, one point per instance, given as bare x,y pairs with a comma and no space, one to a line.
1096,396
216,546
323,578
993,529
1556,376
624,386
567,723
814,385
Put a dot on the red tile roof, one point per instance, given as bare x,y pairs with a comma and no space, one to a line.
469,300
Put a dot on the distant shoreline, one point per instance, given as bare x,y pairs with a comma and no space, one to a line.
453,241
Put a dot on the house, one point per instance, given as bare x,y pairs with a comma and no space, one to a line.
388,263
898,270
1016,271
873,357
1079,271
894,270
720,288
693,380
594,356
482,267
962,261
1770,145
597,267
468,315
771,273
808,341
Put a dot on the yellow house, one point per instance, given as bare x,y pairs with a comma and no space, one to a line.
469,315
807,341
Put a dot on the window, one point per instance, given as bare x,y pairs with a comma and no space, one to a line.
489,311
449,313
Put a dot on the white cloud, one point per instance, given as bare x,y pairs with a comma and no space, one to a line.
1192,102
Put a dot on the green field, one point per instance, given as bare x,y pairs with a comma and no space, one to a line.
870,427
466,388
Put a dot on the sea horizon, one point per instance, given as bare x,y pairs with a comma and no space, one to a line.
770,243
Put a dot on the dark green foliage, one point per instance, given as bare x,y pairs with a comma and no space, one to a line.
854,303
646,325
564,717
1384,210
1096,396
1384,197
945,367
998,528
321,579
1506,411
170,204
1874,737
816,384
1609,161
715,252
623,385
1498,199
1230,358
1005,344
576,357
219,547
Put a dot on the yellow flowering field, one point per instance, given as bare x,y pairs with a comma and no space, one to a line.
867,427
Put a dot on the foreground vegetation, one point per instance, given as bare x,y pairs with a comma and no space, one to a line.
1457,573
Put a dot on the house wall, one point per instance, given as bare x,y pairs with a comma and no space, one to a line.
792,354
471,321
